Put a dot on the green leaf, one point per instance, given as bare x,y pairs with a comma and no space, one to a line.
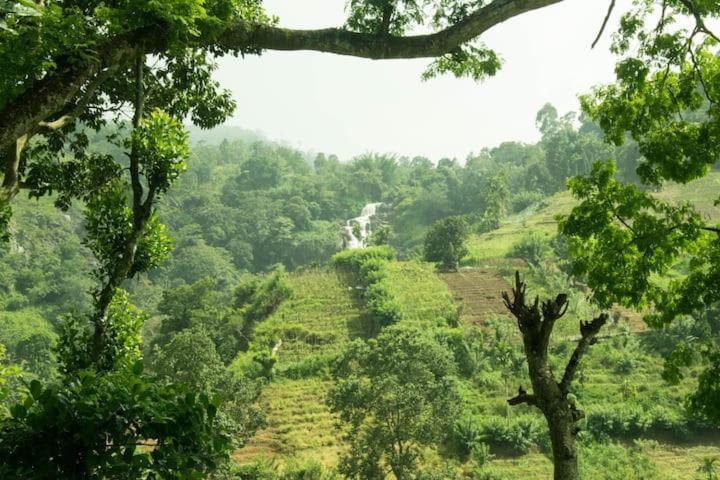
18,411
138,368
35,389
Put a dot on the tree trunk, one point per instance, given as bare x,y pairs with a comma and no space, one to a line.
11,168
142,210
536,324
564,445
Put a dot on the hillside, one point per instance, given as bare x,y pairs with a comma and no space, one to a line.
46,271
639,417
313,325
497,243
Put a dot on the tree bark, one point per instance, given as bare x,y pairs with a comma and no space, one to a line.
11,168
536,323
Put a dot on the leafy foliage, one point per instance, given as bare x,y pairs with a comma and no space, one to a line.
445,242
98,426
396,393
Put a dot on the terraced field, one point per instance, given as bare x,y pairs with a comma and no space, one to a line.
424,297
318,320
479,291
322,315
620,372
299,424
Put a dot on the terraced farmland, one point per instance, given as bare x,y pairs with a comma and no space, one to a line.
318,320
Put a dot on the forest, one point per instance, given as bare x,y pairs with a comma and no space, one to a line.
183,299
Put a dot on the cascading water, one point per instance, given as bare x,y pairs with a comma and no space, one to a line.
363,221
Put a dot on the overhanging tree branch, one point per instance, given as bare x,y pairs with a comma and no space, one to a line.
51,94
344,42
54,93
604,23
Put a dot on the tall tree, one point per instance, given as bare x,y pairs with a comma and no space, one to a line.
625,240
397,394
445,242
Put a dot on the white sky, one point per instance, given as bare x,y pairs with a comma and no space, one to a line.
347,106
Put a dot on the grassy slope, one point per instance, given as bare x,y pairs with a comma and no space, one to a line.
301,426
323,303
299,423
603,386
496,244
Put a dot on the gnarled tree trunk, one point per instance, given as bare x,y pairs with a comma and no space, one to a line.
536,323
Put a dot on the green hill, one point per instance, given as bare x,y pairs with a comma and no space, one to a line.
497,243
636,420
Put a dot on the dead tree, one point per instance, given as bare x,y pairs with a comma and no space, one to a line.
536,323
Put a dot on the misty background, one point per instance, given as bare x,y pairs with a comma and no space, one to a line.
347,106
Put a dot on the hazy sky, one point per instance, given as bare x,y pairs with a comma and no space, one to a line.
347,106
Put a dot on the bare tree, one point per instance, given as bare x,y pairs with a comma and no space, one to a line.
536,322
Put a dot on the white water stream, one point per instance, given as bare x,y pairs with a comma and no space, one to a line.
349,238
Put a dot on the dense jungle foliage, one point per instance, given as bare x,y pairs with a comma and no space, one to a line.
188,309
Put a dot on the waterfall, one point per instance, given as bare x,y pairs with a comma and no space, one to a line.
363,221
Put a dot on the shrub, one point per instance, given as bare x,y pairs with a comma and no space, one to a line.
373,270
485,473
267,296
304,471
255,364
369,264
533,247
445,473
260,470
520,434
524,199
352,260
465,345
308,367
466,436
257,301
481,454
382,308
618,421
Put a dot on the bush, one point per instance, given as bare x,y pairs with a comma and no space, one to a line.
524,199
308,367
533,247
267,296
466,437
369,264
352,260
465,345
255,364
622,421
373,270
310,470
382,308
485,473
519,434
256,301
445,473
